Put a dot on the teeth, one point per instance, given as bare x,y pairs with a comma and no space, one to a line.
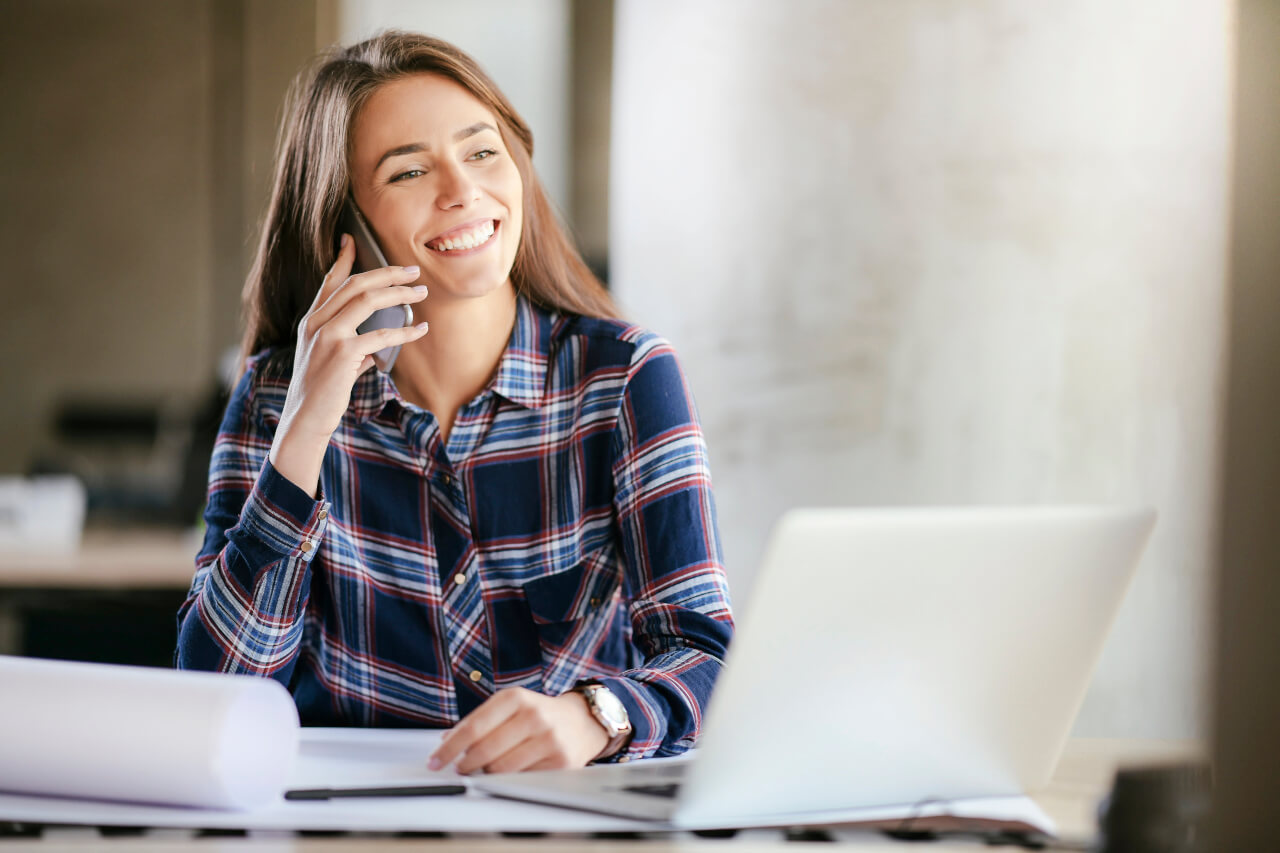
469,240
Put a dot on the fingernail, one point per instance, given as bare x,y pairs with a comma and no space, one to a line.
421,288
346,239
413,270
422,326
433,764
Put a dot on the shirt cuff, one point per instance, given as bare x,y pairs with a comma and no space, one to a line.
283,517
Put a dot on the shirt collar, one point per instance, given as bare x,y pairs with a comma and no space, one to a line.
522,373
521,376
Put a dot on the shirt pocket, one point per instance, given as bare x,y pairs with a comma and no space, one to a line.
580,622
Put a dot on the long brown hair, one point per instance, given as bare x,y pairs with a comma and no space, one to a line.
312,179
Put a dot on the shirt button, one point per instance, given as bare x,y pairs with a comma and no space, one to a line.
459,578
475,675
307,546
595,602
447,479
322,515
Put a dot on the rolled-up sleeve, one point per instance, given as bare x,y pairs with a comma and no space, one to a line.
243,613
680,610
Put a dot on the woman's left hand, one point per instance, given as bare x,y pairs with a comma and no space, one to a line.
517,729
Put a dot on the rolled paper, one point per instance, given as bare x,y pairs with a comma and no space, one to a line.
137,734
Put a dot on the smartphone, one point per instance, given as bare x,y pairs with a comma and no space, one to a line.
369,257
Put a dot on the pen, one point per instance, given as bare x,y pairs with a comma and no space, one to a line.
401,791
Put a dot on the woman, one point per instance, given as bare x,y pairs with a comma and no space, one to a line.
512,534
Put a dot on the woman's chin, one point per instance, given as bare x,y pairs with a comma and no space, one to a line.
452,289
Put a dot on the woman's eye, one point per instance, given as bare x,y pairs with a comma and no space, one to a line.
484,154
412,173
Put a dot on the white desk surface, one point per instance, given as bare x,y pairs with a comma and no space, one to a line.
1082,777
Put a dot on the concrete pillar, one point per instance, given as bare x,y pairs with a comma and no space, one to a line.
925,252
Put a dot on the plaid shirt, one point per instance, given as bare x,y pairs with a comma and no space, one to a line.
564,531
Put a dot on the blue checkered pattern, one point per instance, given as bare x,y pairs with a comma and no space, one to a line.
564,531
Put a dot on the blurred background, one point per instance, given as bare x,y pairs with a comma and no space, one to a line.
911,252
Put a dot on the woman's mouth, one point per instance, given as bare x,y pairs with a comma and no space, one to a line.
464,241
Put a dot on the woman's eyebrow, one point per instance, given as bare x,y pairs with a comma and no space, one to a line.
418,147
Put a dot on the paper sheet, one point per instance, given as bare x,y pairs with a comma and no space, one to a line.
144,735
339,757
350,757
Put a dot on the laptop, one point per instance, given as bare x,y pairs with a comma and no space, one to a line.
887,657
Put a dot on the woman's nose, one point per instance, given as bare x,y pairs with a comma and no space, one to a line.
454,187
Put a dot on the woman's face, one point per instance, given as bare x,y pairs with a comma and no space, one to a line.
436,183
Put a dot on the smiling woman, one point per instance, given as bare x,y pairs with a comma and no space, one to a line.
512,533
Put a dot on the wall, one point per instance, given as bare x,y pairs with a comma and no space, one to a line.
923,252
138,148
108,230
1246,739
591,91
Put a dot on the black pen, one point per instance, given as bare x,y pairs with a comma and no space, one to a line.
401,791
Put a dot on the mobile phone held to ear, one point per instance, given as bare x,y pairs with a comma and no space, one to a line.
369,257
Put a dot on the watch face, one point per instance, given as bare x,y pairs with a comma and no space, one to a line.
611,708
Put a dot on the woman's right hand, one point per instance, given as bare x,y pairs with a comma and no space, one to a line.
331,355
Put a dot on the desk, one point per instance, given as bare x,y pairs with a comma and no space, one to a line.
136,562
1083,775
107,559
125,570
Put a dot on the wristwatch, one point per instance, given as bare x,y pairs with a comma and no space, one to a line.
609,713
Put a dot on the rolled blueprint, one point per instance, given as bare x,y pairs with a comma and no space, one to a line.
144,735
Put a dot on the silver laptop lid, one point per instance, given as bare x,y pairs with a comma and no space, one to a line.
897,655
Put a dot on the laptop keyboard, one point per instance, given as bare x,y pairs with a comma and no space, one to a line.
668,791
